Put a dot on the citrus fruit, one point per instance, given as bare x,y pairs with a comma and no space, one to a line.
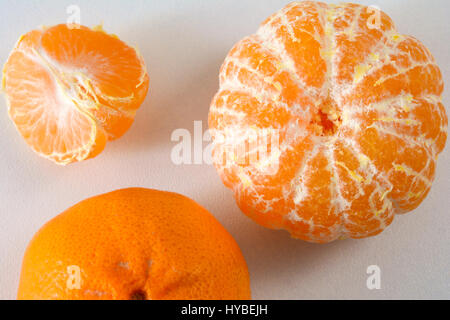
69,90
134,244
356,110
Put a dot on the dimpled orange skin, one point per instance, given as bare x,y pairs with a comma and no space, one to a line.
134,244
70,89
357,110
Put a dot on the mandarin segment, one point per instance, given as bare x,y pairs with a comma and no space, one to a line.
70,90
358,115
134,244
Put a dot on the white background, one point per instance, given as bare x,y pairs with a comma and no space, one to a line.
184,44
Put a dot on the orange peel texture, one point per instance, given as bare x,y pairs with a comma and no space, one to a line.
134,244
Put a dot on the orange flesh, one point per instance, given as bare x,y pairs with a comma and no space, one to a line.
69,91
358,114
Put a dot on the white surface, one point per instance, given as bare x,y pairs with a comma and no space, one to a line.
184,44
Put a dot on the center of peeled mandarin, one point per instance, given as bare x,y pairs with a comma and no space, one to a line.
327,118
